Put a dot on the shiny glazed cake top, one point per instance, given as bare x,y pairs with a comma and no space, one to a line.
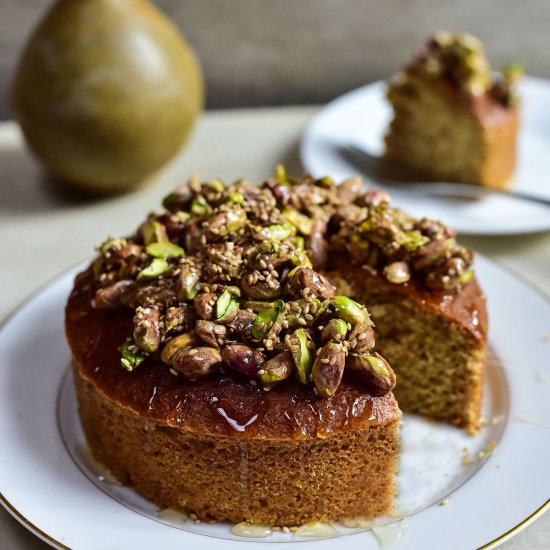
231,277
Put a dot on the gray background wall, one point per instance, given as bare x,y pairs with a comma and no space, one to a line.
267,52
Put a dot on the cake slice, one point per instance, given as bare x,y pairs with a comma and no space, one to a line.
454,121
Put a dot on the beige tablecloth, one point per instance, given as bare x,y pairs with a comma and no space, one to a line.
45,229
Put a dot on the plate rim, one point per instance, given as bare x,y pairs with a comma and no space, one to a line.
45,286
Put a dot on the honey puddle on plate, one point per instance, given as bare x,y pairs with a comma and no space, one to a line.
388,536
251,530
94,466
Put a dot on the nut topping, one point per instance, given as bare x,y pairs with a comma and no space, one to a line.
231,276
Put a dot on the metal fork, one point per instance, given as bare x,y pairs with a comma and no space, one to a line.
394,178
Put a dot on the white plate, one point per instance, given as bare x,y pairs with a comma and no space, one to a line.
361,117
48,484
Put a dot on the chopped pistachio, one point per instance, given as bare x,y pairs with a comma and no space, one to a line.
278,232
513,71
199,206
235,218
466,276
182,216
411,240
299,220
226,306
153,232
350,311
156,267
283,177
97,267
299,243
131,356
266,318
236,197
327,180
164,250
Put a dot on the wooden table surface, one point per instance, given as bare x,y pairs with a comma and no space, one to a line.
46,229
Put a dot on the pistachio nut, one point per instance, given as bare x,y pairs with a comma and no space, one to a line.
276,369
411,240
302,354
335,329
361,339
196,363
243,359
204,305
153,232
256,305
298,220
350,189
305,277
277,232
266,319
328,368
155,268
147,332
199,206
226,307
373,371
241,325
187,282
164,250
210,332
260,289
176,344
132,357
236,197
109,296
178,317
350,311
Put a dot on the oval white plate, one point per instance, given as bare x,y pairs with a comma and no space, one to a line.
49,486
361,117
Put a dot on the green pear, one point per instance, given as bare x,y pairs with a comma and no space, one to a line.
106,92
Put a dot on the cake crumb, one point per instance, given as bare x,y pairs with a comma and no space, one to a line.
444,502
465,458
286,529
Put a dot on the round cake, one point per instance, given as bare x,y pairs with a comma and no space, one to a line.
225,362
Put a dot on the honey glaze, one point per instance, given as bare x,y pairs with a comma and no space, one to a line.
251,530
316,529
101,472
171,515
389,536
224,404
